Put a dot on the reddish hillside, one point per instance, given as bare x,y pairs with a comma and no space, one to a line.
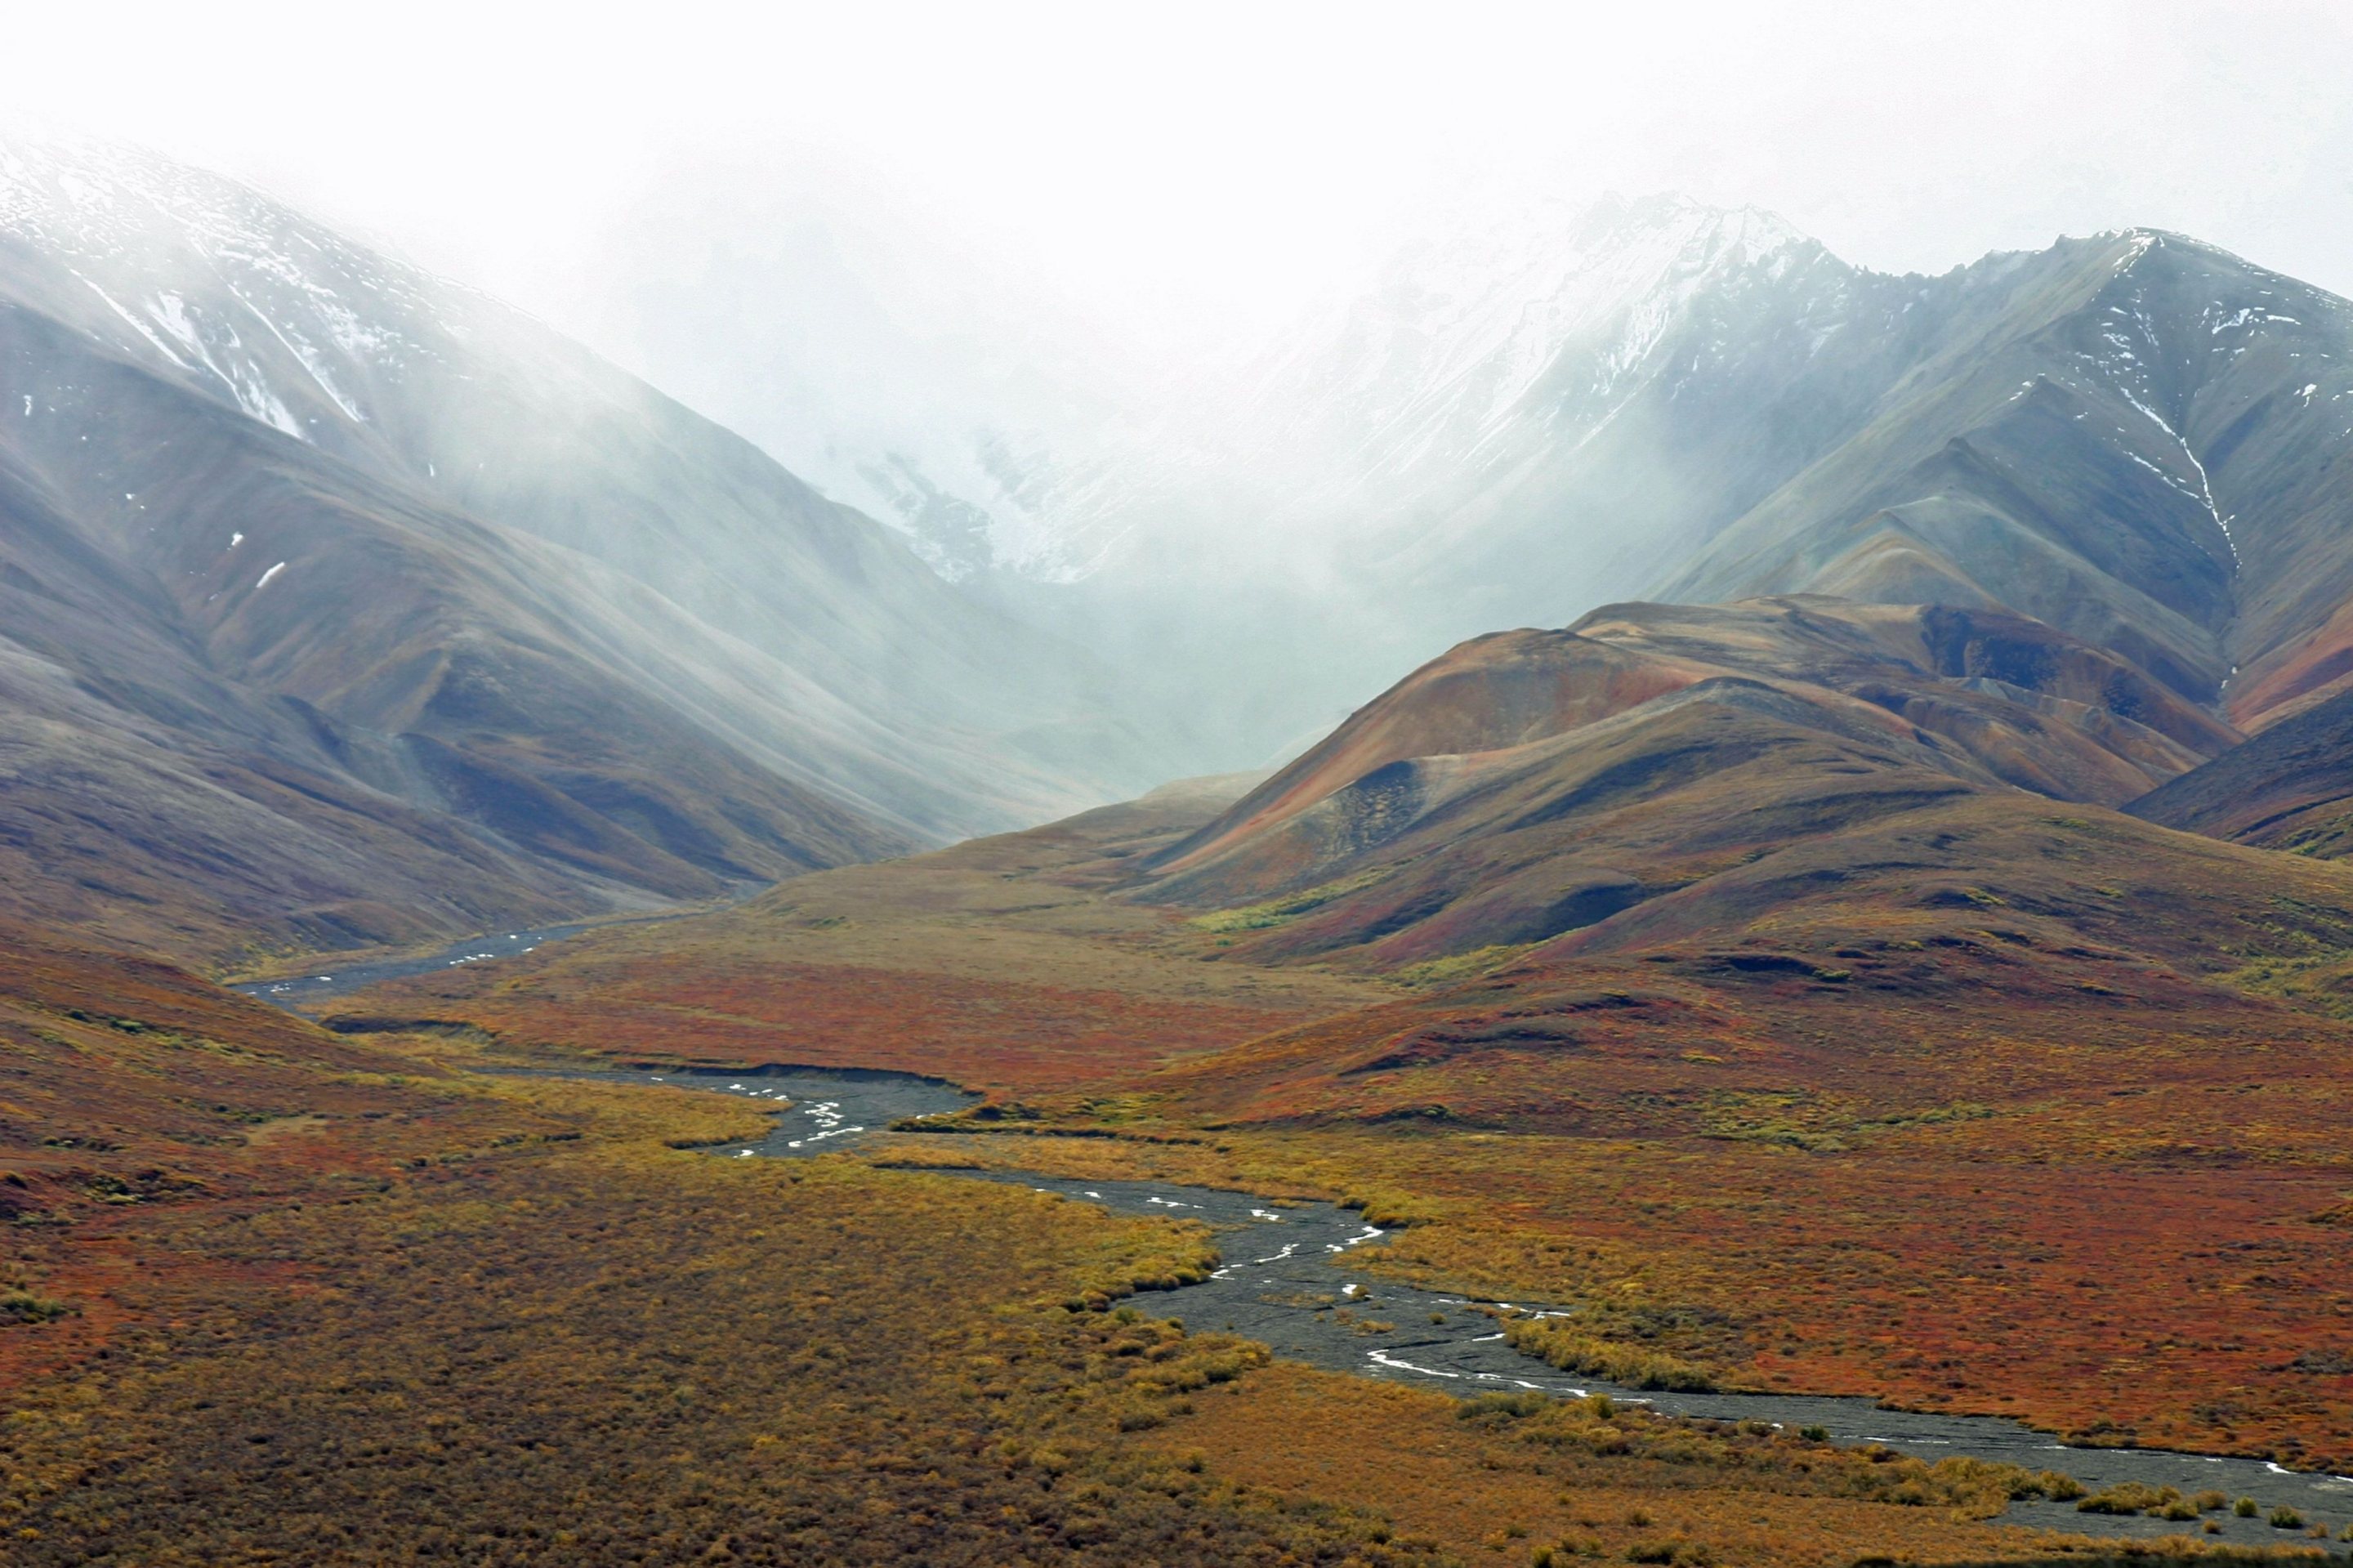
1532,783
130,1088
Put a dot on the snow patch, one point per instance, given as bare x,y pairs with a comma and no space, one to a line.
141,328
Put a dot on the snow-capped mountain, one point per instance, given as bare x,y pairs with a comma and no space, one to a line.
237,298
1553,310
269,310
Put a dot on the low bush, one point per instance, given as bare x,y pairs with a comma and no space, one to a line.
17,1306
1575,1351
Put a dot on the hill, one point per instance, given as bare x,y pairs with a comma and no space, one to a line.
1532,783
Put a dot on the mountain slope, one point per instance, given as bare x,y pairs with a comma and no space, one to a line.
2290,787
361,608
317,710
2145,448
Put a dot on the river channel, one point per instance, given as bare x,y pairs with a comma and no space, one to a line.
300,993
1277,1284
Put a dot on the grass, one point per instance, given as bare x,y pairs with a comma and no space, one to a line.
1281,911
602,1348
1460,967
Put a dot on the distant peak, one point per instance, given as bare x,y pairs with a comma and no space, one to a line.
1547,240
2141,241
1757,228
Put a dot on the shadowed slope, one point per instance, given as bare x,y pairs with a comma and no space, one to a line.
309,707
2290,787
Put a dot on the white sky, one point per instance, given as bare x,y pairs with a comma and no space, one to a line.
1168,164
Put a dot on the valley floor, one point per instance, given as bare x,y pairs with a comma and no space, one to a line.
502,1319
279,1293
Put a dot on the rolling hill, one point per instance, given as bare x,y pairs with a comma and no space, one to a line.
1532,783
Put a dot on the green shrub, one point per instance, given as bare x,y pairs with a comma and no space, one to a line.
1511,1405
1574,1351
2129,1497
2244,1508
24,1306
2287,1518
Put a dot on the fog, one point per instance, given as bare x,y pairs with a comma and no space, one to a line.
1171,166
1048,286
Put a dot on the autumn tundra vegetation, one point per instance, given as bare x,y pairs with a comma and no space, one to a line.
320,1298
358,1293
1811,1155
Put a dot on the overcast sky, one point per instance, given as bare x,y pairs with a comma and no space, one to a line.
1169,165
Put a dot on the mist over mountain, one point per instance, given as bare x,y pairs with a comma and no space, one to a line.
502,576
376,609
1536,407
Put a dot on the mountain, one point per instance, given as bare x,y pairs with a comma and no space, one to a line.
503,578
1503,342
1532,783
2136,437
1543,406
2145,445
342,605
1484,435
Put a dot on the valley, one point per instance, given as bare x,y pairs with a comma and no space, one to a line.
1662,1133
1297,1299
1641,896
